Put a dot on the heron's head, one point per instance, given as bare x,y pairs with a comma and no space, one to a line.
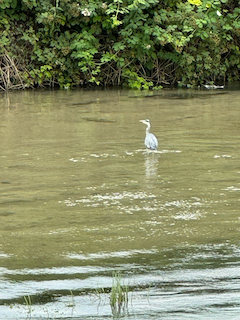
147,122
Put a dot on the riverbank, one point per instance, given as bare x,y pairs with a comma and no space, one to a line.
138,44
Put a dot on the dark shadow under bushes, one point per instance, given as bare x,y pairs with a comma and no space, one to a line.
10,73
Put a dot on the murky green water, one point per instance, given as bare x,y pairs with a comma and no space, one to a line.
81,198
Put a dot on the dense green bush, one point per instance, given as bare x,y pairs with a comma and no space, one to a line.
137,43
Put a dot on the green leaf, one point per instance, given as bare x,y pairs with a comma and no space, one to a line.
119,46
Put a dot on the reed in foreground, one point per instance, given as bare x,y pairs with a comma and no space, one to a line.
118,295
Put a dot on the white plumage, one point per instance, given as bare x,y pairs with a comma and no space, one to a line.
151,141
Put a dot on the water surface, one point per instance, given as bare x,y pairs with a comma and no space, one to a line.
81,198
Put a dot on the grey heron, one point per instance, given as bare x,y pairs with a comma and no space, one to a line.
150,140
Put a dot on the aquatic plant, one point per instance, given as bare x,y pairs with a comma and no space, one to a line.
28,303
118,295
72,303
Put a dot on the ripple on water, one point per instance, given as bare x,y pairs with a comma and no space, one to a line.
119,155
186,209
133,202
101,156
114,198
232,189
106,255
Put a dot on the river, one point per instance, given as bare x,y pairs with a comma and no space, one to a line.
82,202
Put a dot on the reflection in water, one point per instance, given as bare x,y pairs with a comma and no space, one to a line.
151,164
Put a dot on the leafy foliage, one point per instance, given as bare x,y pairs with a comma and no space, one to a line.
138,43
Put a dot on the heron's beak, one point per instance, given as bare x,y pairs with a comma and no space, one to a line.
141,121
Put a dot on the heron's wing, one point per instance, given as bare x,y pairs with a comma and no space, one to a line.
151,141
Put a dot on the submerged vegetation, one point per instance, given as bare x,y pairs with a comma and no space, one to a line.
118,296
137,43
28,303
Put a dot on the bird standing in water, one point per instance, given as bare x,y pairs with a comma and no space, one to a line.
150,140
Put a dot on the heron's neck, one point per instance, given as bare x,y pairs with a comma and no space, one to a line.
148,128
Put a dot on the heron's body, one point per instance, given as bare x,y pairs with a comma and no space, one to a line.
151,141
